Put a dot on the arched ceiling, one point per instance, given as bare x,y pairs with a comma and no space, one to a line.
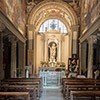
52,9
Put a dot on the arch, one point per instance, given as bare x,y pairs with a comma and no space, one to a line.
56,17
56,25
52,9
41,11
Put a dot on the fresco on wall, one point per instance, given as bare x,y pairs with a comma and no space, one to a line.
15,11
89,13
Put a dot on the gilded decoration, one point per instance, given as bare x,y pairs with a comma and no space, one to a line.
45,10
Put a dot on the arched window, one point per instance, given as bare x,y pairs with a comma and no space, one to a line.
53,24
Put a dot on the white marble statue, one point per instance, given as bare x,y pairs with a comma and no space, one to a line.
53,52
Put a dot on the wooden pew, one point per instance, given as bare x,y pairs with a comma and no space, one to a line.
25,95
65,81
80,87
37,79
78,81
92,94
20,88
75,83
25,81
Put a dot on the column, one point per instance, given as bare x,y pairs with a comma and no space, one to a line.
1,56
35,51
31,46
59,51
2,27
74,39
43,45
84,56
70,44
80,57
24,59
90,56
13,56
21,56
46,49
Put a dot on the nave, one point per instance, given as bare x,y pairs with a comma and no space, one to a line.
52,93
43,40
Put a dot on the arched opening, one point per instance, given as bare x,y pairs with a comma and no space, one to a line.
39,22
53,24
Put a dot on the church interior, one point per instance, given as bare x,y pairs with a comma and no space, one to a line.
49,49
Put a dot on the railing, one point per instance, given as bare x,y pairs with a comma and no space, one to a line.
52,78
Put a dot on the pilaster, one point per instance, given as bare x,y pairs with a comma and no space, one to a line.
74,39
80,57
90,55
21,56
2,27
13,55
1,56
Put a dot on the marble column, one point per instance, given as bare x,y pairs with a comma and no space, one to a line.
1,56
35,51
43,45
74,39
90,56
80,57
21,56
46,50
70,44
59,52
2,27
31,45
13,56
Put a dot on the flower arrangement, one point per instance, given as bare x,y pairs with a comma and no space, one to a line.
62,64
44,63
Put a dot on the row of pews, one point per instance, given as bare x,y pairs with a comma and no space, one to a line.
80,87
28,88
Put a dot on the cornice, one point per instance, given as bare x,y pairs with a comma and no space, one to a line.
11,27
90,31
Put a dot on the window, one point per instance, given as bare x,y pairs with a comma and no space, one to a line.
53,24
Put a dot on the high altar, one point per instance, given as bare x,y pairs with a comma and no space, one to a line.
51,48
51,76
53,52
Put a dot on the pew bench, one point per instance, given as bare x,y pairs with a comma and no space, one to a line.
25,95
20,88
92,94
26,81
80,87
75,83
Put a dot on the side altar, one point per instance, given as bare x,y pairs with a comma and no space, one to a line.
51,77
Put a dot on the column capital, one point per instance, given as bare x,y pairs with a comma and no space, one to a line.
92,38
2,27
12,39
75,27
30,27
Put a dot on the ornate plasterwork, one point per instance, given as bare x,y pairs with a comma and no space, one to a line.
52,9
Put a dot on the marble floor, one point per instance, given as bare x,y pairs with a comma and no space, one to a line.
52,93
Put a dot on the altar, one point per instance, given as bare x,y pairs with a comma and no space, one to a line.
52,78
